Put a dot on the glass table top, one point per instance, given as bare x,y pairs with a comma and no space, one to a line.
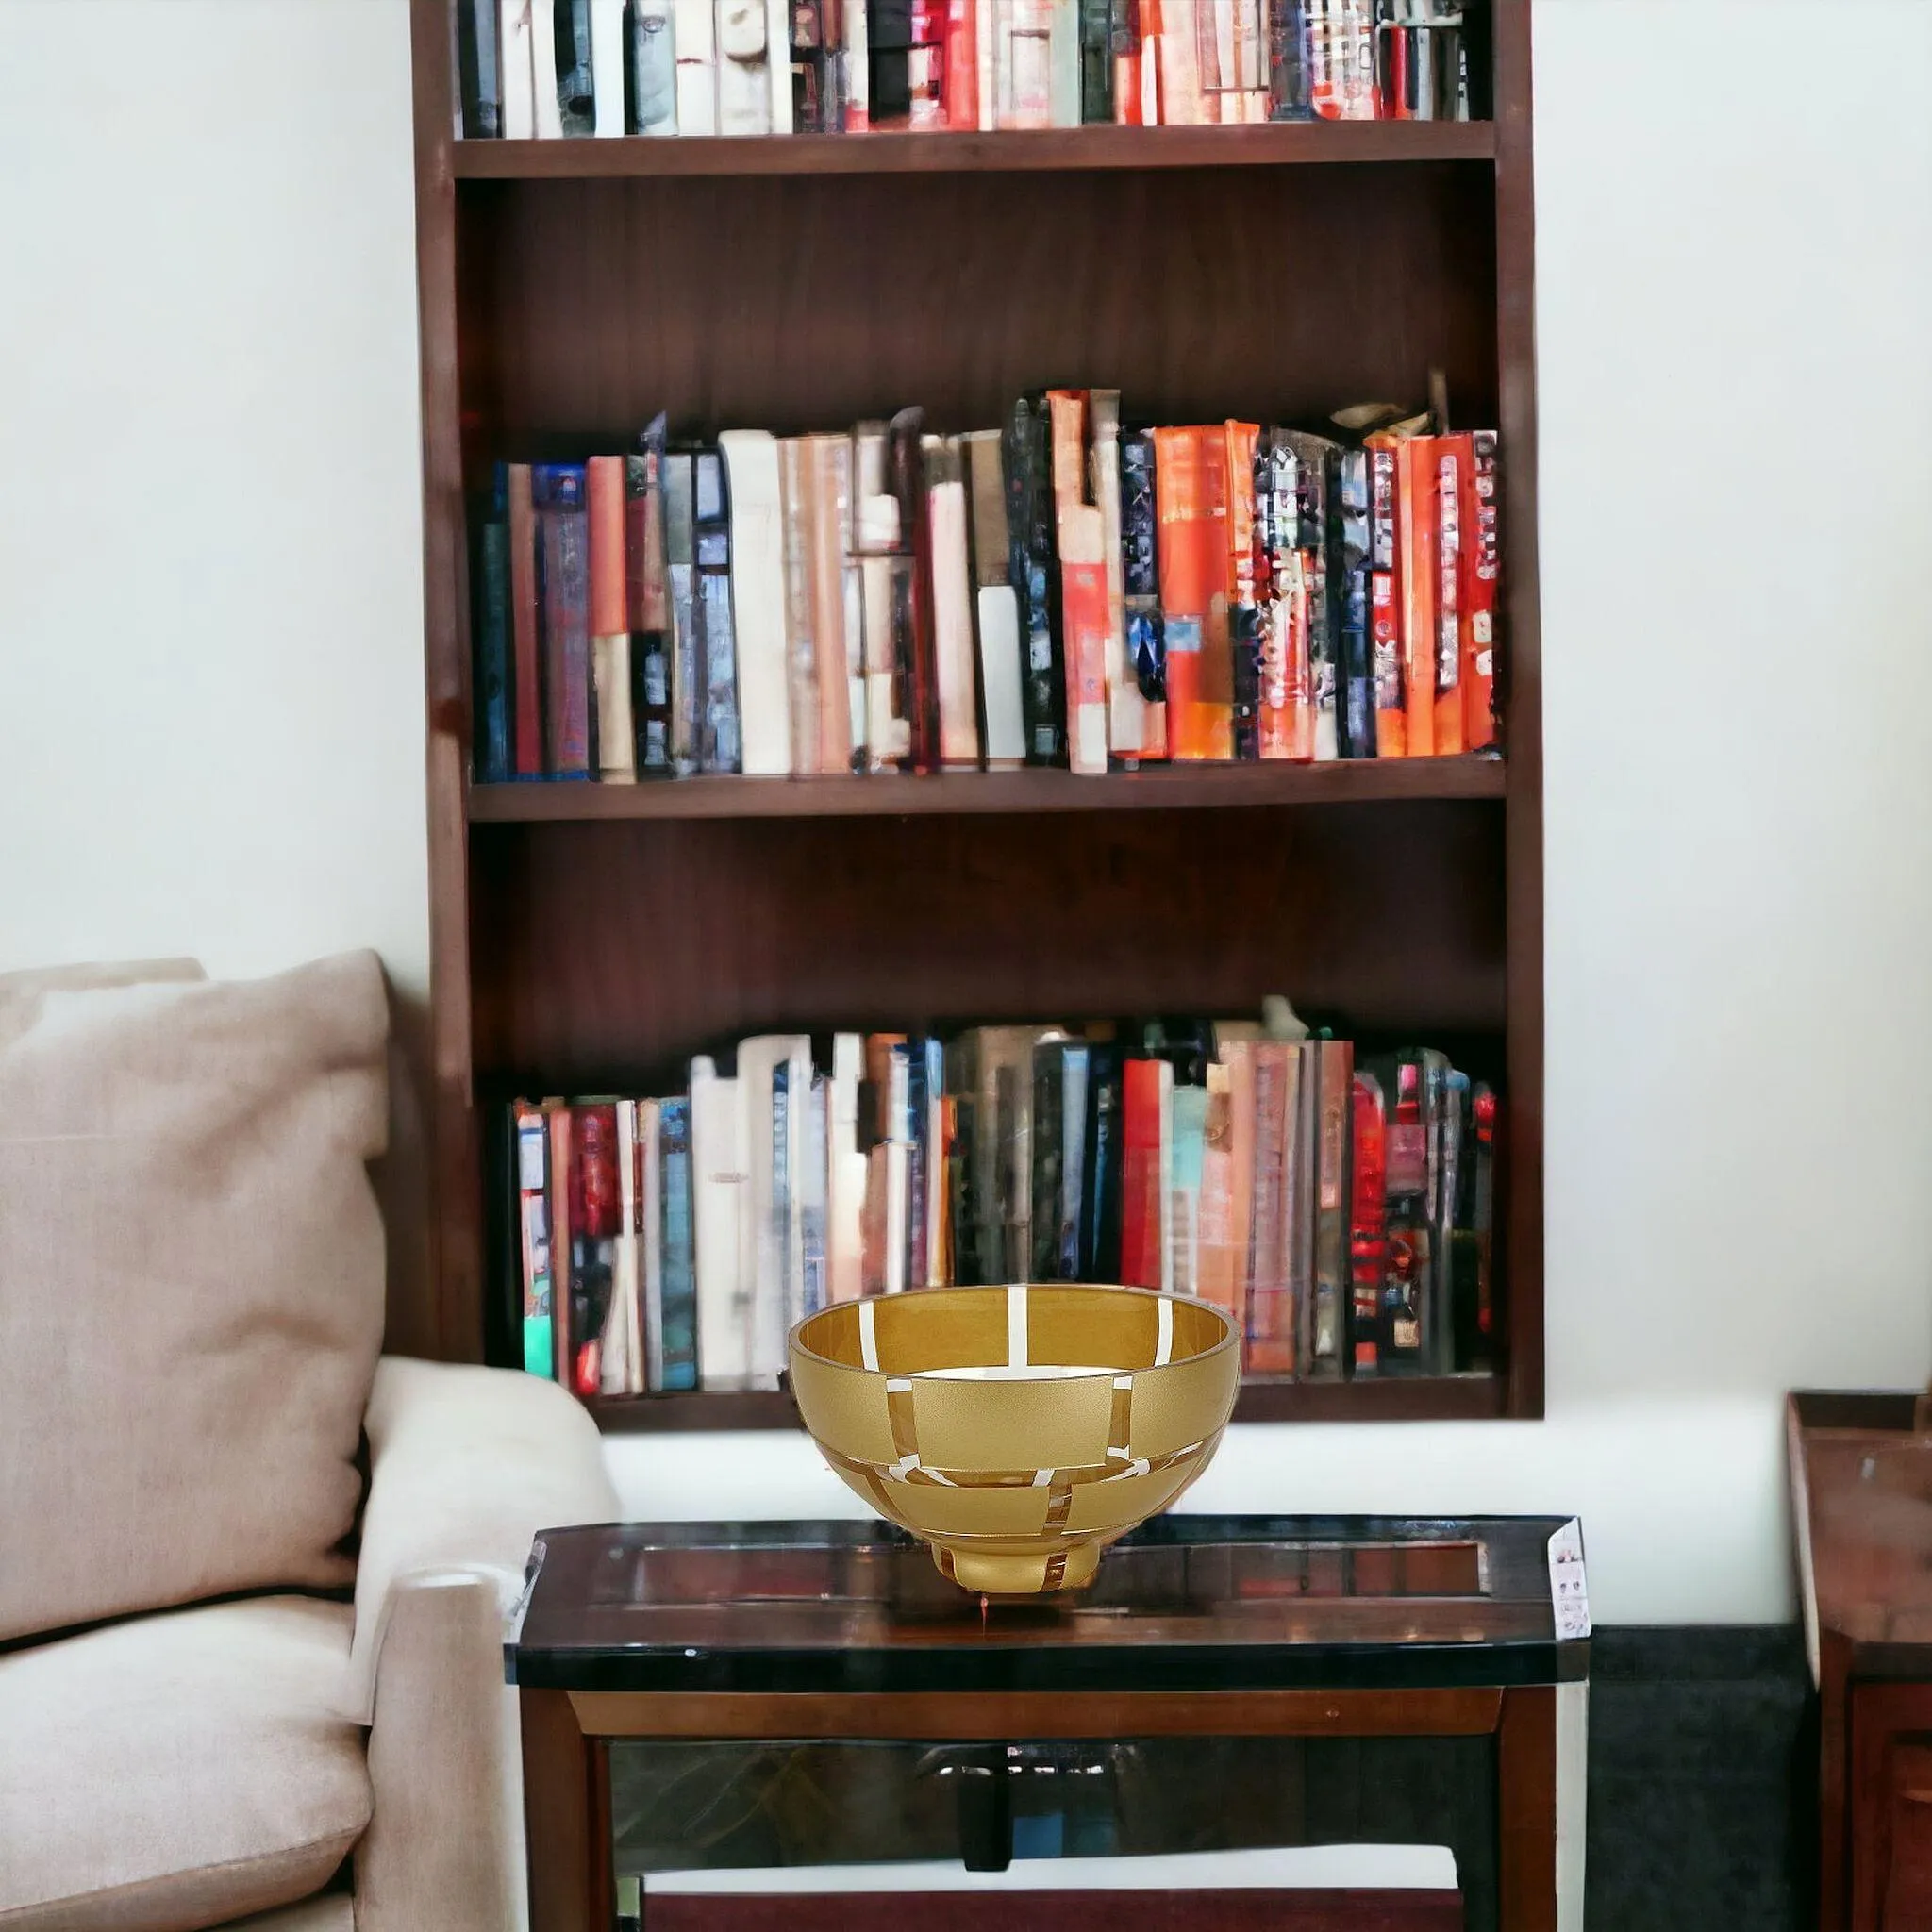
1184,1603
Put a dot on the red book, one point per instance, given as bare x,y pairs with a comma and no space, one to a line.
595,1216
1481,573
1415,530
1453,457
1146,1111
961,84
1367,1233
560,1226
523,619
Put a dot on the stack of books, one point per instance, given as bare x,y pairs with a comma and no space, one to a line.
1340,1208
1062,591
550,68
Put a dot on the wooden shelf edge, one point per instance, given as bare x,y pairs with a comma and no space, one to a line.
1448,1398
900,795
1263,144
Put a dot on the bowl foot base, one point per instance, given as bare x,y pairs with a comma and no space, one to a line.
989,1573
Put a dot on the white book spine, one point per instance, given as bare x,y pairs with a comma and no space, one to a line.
845,1174
746,49
1064,45
694,30
758,601
606,65
999,675
985,38
1126,710
778,54
651,1214
799,1142
718,1190
764,1246
898,1200
952,605
544,69
857,70
513,52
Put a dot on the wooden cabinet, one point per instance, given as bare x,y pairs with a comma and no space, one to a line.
1861,1496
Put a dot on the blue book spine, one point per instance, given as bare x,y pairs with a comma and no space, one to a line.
678,1263
489,615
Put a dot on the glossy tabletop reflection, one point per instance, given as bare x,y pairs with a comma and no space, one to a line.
1186,1603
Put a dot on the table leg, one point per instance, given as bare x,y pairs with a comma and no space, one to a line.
1527,1810
563,1806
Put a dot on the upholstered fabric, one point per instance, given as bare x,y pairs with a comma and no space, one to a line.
333,1911
177,1770
446,1845
466,1465
192,1266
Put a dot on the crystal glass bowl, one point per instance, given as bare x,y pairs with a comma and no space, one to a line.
1018,1430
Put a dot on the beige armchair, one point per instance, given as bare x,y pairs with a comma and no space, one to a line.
232,1680
188,1768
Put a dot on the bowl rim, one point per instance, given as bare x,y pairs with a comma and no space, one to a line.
1231,1335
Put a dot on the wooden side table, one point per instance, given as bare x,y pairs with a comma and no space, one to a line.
816,1694
1861,1504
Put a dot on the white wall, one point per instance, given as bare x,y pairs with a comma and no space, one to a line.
210,740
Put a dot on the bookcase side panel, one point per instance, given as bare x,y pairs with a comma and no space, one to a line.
452,1328
1523,1204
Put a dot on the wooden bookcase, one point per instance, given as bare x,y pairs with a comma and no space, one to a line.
584,936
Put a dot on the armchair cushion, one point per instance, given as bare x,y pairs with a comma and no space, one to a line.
192,1266
177,1771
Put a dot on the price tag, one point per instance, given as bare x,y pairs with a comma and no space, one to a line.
1569,1592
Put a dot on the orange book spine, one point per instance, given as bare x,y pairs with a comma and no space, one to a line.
1415,513
1240,442
1385,604
960,90
1084,606
1453,457
1190,486
1481,575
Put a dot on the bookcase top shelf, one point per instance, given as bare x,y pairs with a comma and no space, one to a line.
1262,145
1392,1399
893,796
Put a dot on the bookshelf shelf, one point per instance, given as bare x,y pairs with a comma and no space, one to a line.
988,793
588,933
1271,144
1446,1398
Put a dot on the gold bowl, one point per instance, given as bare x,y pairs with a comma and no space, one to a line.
1018,1430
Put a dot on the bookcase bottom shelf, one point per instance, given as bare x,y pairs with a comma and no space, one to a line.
1433,1398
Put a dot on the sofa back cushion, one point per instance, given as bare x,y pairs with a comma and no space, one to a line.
190,1284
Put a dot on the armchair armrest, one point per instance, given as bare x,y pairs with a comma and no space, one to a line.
466,1466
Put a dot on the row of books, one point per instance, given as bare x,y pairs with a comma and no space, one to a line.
1062,591
548,68
1341,1209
